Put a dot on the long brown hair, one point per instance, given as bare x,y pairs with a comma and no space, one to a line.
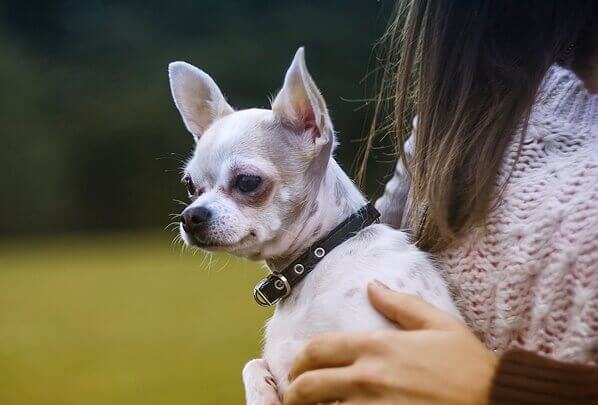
469,70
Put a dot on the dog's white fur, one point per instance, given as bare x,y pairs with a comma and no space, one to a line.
303,196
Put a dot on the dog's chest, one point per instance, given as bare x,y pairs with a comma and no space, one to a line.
321,304
333,296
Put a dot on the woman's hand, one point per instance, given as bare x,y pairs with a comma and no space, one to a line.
434,359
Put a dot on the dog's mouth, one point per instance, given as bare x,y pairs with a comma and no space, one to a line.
218,246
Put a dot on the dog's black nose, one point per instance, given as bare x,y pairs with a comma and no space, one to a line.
193,218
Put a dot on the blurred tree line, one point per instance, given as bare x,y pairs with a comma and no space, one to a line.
90,136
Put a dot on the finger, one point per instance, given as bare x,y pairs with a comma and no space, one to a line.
409,311
319,386
329,350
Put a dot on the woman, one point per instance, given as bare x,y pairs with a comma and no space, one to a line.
500,182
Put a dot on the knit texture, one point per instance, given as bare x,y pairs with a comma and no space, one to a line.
528,277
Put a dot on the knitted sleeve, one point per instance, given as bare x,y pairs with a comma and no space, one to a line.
527,378
392,203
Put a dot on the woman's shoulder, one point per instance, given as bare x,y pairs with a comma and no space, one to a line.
551,178
564,101
560,142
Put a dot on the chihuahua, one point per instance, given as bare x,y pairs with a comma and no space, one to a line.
264,185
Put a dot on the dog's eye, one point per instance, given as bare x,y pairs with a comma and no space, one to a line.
190,186
247,183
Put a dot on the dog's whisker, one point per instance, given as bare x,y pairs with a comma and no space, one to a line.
225,264
173,226
177,240
210,261
183,203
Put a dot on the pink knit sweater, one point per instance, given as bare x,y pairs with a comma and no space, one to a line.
528,277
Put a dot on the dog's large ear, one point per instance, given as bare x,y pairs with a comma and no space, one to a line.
197,97
300,104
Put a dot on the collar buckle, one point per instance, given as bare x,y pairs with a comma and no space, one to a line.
280,283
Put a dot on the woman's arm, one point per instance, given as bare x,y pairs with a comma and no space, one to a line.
434,359
527,378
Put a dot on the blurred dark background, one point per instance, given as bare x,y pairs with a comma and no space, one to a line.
90,136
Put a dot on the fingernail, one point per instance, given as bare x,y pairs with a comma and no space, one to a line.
380,284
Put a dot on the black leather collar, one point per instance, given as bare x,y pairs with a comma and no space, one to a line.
279,285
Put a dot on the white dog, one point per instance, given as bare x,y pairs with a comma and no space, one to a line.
264,185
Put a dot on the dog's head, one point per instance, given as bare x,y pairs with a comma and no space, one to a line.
253,171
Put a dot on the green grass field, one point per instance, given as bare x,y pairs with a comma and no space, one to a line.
124,320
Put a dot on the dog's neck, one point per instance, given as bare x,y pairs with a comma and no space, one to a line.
337,198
